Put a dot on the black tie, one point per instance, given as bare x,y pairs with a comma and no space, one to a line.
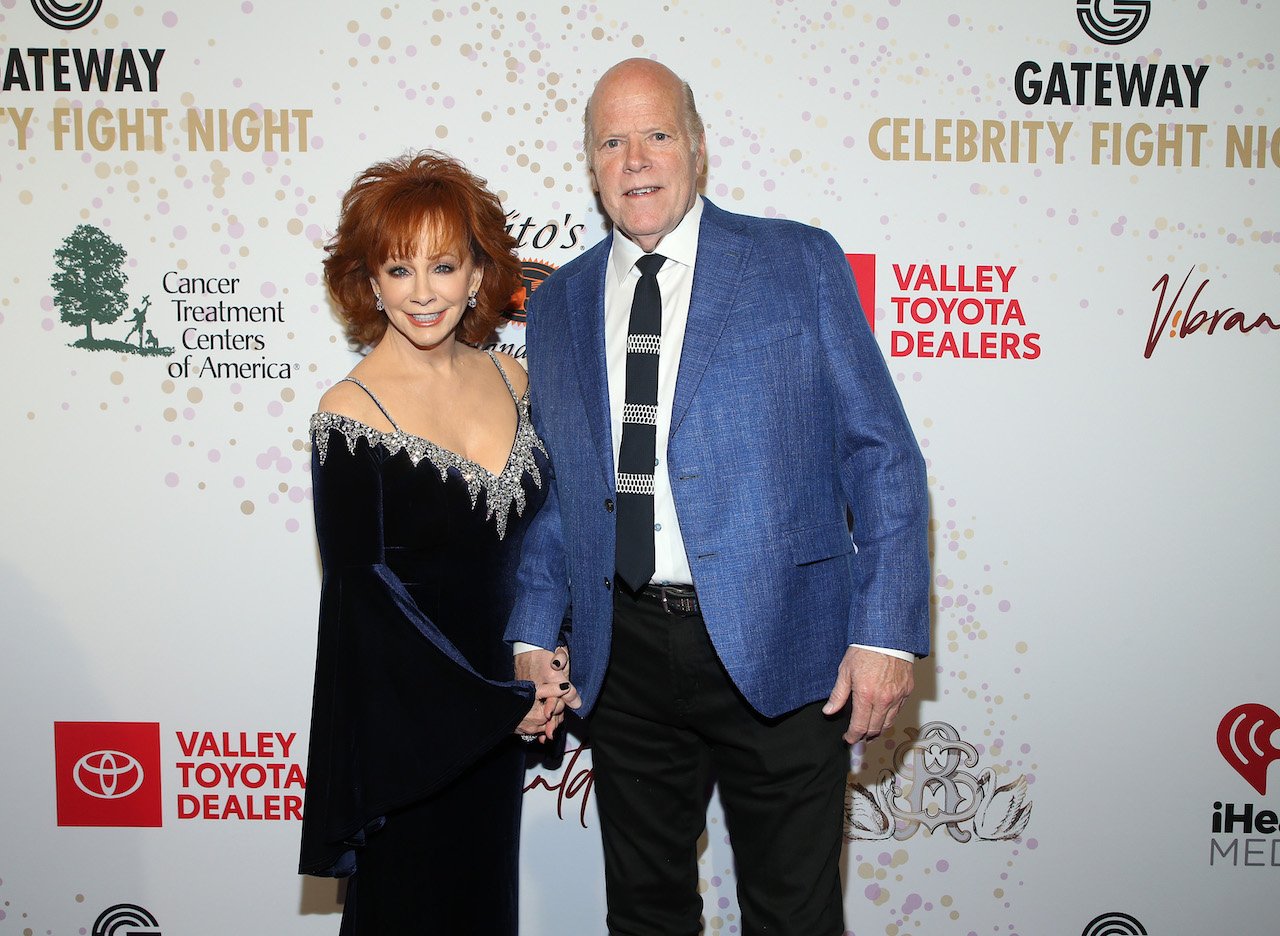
638,452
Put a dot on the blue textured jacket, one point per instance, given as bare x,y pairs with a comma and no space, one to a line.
785,425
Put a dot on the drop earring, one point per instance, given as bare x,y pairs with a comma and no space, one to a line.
471,301
378,305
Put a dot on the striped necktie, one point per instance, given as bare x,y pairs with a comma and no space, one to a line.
638,452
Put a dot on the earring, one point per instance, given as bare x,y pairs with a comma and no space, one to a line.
471,301
378,305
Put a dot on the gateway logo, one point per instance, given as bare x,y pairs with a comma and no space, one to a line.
108,773
67,15
1128,18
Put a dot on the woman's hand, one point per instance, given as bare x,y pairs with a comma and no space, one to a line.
549,673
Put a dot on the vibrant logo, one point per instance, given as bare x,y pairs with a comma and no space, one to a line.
532,275
1128,19
108,773
125,920
1180,319
864,277
1247,737
1114,924
928,786
89,289
66,15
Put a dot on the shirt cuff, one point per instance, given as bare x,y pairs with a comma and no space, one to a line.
519,646
900,654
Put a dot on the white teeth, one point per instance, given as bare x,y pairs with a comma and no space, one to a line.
642,191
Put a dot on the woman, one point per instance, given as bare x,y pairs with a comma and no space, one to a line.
426,471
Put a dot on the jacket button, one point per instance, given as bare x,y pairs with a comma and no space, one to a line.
608,585
608,505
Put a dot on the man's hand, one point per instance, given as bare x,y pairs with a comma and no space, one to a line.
878,684
549,673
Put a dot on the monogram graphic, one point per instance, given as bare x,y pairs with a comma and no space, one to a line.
1129,18
930,786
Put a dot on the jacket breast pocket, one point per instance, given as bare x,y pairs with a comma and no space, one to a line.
749,336
816,543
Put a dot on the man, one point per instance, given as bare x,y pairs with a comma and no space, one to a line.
697,527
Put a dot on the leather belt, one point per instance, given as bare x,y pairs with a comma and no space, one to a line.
675,599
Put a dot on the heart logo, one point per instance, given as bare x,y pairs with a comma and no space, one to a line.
1247,739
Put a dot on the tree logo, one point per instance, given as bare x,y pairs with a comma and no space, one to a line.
89,289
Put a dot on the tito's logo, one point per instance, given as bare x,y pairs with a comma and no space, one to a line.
66,15
1128,19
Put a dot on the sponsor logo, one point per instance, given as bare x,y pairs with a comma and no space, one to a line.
67,15
90,289
1247,738
969,311
532,275
1126,20
571,779
108,773
1186,314
125,920
239,775
930,787
1114,923
864,277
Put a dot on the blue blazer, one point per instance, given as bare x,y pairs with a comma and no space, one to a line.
786,429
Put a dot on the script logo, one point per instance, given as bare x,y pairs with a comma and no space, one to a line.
125,920
108,773
1114,924
929,787
1128,20
1247,739
66,15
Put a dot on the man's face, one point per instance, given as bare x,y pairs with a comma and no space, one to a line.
644,165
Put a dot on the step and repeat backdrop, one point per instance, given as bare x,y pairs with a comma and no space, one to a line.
1063,216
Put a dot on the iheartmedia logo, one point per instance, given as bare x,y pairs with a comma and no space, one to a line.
108,773
1247,739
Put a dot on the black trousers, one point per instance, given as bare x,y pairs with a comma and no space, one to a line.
668,720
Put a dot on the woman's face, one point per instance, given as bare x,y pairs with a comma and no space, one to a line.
426,295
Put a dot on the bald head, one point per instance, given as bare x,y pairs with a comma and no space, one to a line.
645,149
640,74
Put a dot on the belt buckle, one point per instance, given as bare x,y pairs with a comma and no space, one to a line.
683,604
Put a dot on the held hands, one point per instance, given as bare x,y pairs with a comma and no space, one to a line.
878,684
549,673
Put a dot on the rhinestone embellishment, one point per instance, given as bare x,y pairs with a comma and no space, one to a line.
502,490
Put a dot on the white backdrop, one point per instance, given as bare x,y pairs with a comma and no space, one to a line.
1104,517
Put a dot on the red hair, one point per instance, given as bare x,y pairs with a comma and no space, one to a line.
386,213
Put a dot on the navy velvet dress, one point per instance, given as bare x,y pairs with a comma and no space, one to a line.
414,777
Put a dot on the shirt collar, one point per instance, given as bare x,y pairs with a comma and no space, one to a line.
681,245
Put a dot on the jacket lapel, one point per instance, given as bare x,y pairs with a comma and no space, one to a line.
722,256
586,303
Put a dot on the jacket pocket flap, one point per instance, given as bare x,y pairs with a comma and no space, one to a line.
815,543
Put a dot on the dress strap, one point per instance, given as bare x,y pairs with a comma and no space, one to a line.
505,379
376,401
